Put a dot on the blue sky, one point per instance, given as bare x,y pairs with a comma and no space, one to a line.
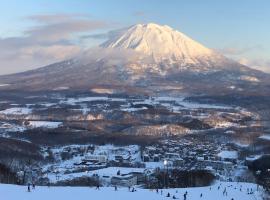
237,28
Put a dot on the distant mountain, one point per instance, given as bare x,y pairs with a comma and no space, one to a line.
145,58
163,44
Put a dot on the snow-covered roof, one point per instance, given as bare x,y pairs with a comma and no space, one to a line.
228,154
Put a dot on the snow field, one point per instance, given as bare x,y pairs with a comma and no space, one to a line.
13,192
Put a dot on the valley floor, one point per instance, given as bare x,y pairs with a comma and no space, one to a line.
235,191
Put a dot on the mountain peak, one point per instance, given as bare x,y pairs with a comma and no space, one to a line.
160,42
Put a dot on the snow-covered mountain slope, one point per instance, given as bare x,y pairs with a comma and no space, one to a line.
162,43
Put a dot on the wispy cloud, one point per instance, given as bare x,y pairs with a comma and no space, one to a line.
106,35
259,64
139,13
243,56
50,40
235,51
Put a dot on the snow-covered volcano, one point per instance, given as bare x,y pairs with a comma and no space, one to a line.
161,43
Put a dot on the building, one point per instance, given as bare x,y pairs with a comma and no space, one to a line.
96,158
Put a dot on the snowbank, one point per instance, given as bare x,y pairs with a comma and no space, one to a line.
44,124
16,111
228,154
265,137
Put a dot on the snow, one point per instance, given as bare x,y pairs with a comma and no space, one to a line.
14,192
254,157
4,85
103,90
44,124
177,103
172,103
154,165
61,88
106,172
160,42
228,154
112,171
249,78
16,111
133,109
265,137
73,101
225,124
67,170
10,127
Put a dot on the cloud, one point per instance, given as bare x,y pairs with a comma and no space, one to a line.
106,35
244,55
50,40
110,56
96,36
259,64
62,28
235,51
139,13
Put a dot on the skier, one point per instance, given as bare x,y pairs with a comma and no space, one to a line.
168,195
33,185
115,188
174,197
185,196
28,188
201,195
224,191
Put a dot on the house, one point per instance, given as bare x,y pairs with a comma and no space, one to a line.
178,162
156,158
126,180
146,158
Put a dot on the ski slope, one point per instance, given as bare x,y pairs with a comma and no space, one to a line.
13,192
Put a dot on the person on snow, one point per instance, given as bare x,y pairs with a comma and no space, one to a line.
185,196
28,188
